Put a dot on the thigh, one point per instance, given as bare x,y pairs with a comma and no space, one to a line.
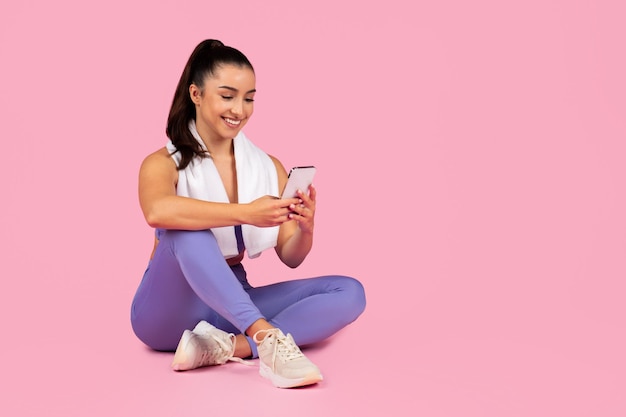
188,280
311,309
274,298
164,304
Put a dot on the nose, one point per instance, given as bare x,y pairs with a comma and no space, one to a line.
237,108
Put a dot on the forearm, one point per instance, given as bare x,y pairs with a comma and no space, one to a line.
176,212
295,249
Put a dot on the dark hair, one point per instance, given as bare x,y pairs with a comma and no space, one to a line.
208,56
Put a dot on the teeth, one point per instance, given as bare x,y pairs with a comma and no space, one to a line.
233,122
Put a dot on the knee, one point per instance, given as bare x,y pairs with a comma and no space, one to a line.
192,238
354,295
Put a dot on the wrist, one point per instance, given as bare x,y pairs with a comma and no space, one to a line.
241,213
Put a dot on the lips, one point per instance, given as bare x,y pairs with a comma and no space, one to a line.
232,122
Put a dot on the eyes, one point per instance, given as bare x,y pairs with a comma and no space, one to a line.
228,98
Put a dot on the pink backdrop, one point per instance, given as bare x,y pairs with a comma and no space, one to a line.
470,172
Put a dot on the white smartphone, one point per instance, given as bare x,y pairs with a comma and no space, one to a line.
299,179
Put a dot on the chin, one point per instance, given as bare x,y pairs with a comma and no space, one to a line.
230,134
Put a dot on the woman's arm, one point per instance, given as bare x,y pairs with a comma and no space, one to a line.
162,208
295,237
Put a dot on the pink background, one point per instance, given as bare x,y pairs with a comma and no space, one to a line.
470,172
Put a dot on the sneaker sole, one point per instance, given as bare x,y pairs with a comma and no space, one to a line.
282,382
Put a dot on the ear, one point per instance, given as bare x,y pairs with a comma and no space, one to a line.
195,94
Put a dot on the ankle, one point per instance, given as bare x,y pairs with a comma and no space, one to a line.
258,326
260,336
242,347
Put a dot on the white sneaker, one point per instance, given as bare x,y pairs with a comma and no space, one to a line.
282,362
204,346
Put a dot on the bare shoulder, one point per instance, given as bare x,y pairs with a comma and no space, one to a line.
159,157
280,169
159,164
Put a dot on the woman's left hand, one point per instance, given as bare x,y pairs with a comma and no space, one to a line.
304,213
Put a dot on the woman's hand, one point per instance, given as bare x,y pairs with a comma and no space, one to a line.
270,211
304,211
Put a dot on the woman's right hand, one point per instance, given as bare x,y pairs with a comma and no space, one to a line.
268,211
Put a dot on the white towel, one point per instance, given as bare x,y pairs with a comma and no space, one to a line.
256,177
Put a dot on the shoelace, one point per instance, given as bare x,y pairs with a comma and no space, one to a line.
284,346
222,355
287,349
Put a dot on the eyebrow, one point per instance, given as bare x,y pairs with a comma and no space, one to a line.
233,89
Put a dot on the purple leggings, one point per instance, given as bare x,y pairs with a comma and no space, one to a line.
188,280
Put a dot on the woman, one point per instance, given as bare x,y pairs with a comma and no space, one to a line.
211,195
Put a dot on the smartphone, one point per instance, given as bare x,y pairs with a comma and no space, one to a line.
299,179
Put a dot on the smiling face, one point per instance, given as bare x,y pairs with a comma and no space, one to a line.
224,103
